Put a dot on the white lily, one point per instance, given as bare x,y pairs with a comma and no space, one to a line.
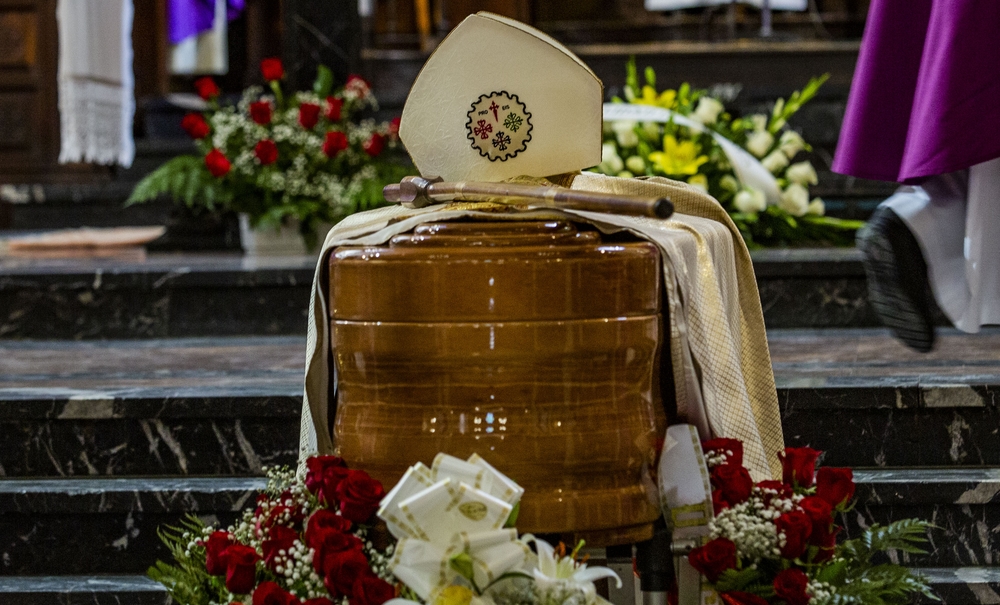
556,573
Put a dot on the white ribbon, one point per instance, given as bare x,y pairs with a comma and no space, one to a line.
749,171
455,507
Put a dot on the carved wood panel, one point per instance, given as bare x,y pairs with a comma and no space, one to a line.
17,118
18,38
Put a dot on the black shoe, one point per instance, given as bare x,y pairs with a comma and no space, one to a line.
897,279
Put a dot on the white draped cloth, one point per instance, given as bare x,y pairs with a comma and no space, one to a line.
956,220
96,83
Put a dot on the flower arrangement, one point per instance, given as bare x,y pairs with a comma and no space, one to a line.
311,540
775,541
751,164
276,158
314,538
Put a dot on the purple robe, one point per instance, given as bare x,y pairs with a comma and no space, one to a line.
186,18
925,99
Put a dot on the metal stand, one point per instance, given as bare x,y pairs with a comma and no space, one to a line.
654,562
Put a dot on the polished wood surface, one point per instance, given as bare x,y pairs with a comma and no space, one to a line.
535,345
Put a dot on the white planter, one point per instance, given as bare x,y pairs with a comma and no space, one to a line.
268,241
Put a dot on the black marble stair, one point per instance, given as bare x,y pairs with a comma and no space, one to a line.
45,524
176,295
85,526
955,586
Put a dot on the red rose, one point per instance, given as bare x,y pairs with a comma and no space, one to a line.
241,568
733,481
195,125
826,541
269,593
819,512
374,145
279,538
329,545
318,601
394,127
359,496
731,448
358,85
835,485
266,152
797,526
333,108
714,558
790,585
261,112
344,568
735,597
308,115
325,520
206,88
335,142
719,503
371,590
215,552
324,473
217,163
798,465
784,491
272,69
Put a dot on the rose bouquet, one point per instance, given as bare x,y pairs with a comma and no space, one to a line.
442,536
311,540
751,164
775,541
303,158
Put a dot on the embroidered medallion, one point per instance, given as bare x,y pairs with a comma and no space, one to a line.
499,126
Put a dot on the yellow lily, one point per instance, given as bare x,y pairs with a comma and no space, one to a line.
678,158
649,97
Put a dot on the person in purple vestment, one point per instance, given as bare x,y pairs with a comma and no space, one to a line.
924,111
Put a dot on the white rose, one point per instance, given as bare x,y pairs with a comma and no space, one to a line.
636,164
652,129
802,173
791,143
759,121
759,142
625,174
708,110
750,200
610,159
625,133
816,207
729,183
775,161
795,200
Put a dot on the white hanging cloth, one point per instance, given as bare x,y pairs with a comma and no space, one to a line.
96,83
206,52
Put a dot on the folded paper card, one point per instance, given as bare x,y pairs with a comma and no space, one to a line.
499,99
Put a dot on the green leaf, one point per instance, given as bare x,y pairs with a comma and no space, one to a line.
512,518
462,564
732,579
324,82
832,573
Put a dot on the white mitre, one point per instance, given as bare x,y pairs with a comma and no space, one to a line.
499,99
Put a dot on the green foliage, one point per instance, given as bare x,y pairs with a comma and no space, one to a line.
185,179
187,581
783,110
324,82
857,580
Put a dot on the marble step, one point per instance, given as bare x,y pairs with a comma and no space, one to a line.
209,406
106,526
228,406
955,586
177,294
101,525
